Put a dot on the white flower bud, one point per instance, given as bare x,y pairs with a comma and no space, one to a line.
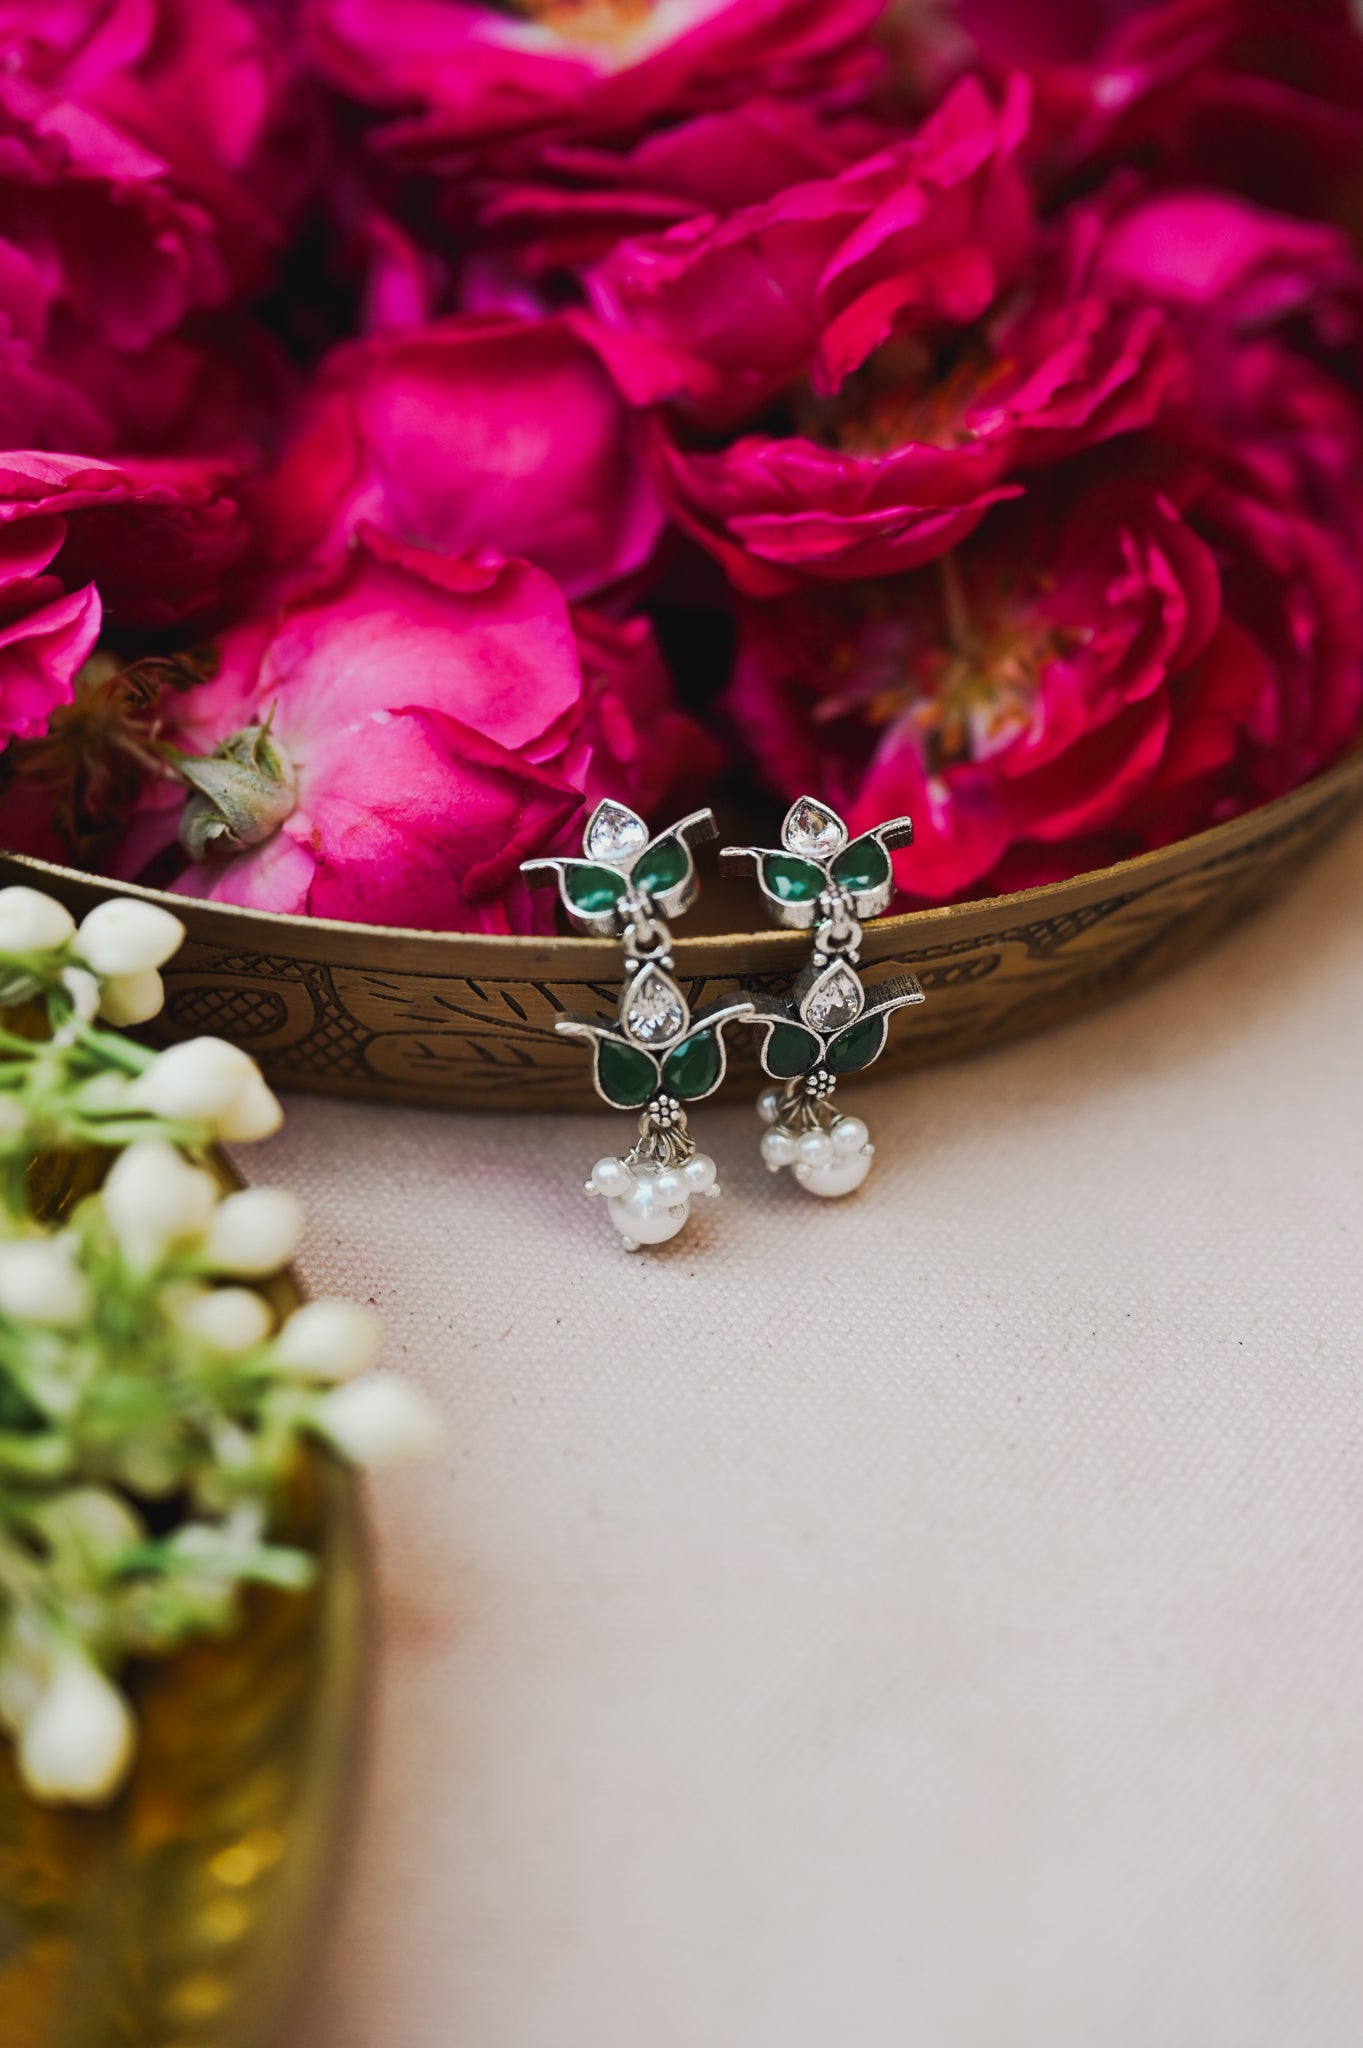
90,1522
254,1112
254,1232
132,998
122,937
77,1742
31,922
378,1420
196,1081
329,1340
41,1283
25,1663
154,1200
83,990
230,1319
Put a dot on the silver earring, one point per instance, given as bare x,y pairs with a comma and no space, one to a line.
822,880
656,1058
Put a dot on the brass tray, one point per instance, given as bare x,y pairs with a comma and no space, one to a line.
183,1916
468,1023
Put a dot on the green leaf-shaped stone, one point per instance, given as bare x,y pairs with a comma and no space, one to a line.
862,865
693,1068
792,880
625,1076
858,1045
661,866
789,1050
592,890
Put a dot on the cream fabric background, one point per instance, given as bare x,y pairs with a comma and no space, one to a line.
936,1619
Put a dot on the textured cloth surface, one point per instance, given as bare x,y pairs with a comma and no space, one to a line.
936,1618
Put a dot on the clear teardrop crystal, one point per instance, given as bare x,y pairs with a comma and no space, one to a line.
615,833
835,999
813,830
655,1009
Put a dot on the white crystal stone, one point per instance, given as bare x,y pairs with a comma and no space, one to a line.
849,1134
778,1149
815,1149
611,1177
835,999
769,1105
615,833
656,1012
842,1177
699,1174
813,830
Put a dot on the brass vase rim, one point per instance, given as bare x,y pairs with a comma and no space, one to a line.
310,932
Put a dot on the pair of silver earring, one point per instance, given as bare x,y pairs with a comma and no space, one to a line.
658,1059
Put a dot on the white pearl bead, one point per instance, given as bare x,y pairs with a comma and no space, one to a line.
815,1149
611,1177
648,1223
849,1134
840,1177
769,1105
669,1187
699,1173
778,1149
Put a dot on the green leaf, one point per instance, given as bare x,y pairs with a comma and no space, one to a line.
694,1067
863,865
790,1050
625,1076
661,866
859,1044
593,890
792,880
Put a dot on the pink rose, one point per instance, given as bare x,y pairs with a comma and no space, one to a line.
1228,264
1081,680
1262,95
470,433
908,459
159,538
195,100
145,171
46,630
475,75
932,429
576,200
438,730
722,314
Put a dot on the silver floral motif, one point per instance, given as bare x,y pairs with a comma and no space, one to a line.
823,881
655,1057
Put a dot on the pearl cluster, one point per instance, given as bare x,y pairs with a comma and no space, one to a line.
827,1162
648,1203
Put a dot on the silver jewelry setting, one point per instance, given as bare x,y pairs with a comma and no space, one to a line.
824,881
656,1057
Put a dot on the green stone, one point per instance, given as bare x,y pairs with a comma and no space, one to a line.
661,866
863,865
792,880
858,1045
626,1076
790,1050
592,890
692,1069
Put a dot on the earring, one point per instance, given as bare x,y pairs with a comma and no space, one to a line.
656,1057
822,880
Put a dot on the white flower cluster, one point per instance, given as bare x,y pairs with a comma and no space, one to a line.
123,943
138,1354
